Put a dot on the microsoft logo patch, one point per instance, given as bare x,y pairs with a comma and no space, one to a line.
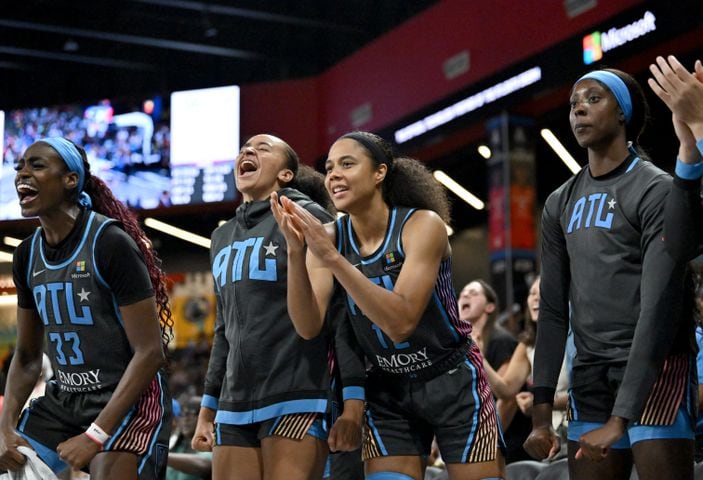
592,48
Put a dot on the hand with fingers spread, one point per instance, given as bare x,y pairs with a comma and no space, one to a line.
681,91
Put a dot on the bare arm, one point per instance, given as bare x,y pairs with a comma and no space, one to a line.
397,312
142,328
191,463
22,376
506,386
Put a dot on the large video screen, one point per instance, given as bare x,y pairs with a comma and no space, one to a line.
153,152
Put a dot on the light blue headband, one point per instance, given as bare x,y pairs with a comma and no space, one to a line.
616,86
73,160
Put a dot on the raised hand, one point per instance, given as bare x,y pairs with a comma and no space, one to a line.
286,223
680,90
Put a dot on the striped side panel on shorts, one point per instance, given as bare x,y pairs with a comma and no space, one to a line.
665,398
484,444
295,425
145,418
371,446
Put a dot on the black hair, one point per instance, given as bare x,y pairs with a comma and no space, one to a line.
640,110
104,202
408,183
312,183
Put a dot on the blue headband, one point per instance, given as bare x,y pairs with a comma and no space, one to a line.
73,160
616,86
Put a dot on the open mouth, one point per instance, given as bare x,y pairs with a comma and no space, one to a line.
26,193
247,166
339,189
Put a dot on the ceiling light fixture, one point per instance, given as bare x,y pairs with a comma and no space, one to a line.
5,257
11,241
8,299
460,191
560,150
177,232
484,151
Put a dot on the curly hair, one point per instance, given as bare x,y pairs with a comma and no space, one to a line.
408,183
312,183
104,202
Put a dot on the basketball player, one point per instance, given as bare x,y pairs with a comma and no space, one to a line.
392,256
267,390
604,265
89,288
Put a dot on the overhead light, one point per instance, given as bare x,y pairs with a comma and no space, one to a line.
560,150
484,151
450,230
11,241
177,232
7,299
221,222
460,191
5,257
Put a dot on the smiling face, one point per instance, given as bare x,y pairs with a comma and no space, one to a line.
533,300
473,303
351,176
261,167
42,181
595,116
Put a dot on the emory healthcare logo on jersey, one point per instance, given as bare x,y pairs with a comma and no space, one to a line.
404,362
594,215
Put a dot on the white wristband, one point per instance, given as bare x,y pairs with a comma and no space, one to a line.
97,434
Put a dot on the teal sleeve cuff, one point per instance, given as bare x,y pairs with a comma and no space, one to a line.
353,393
688,171
209,402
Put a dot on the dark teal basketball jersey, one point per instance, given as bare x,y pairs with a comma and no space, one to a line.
440,339
80,314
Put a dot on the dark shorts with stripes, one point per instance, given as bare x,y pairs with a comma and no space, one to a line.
294,426
145,430
457,407
594,389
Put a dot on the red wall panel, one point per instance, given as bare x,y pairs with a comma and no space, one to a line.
402,72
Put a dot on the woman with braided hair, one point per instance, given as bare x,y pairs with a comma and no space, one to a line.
90,288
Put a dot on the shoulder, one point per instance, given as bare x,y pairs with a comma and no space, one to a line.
558,198
113,236
421,219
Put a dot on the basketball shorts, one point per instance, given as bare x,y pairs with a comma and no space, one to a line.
669,412
294,426
457,407
144,431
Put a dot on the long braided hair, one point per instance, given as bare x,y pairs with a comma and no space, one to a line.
104,202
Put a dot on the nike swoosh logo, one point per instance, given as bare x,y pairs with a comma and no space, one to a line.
34,274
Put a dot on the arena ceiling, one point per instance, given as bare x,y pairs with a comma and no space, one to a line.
54,51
